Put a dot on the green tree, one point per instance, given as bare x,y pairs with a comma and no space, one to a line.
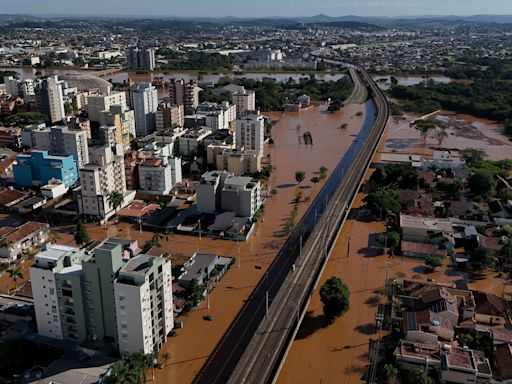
15,274
26,118
473,157
433,262
482,184
315,180
383,202
335,297
115,199
391,373
81,234
195,292
150,244
480,255
165,357
424,127
419,376
323,172
300,176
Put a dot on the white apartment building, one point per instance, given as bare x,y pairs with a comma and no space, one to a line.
189,142
61,141
144,304
217,116
145,104
103,175
50,98
56,280
15,87
155,176
99,103
245,101
250,132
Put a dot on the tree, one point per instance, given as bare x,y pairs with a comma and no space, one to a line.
150,244
335,297
383,201
482,184
315,180
15,274
433,262
300,176
334,106
323,172
391,240
473,157
424,127
195,292
419,376
506,251
81,234
391,373
441,134
165,357
480,255
26,118
115,199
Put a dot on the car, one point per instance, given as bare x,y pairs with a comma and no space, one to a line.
430,280
208,317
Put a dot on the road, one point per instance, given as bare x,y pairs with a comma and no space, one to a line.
284,290
360,93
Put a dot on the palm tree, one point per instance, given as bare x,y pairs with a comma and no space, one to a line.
115,199
15,274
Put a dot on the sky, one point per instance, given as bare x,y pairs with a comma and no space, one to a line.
257,8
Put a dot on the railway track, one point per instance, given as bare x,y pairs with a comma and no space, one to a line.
254,347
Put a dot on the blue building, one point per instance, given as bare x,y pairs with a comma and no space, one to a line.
36,168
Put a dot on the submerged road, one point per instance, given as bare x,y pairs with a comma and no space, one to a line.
252,349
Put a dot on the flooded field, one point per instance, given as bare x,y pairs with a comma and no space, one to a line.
463,132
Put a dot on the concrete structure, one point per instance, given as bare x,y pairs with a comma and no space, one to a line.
250,132
124,122
57,279
145,102
50,98
37,168
144,304
217,116
221,191
190,141
62,141
103,102
15,241
140,58
103,175
169,116
421,229
235,161
184,93
54,189
155,176
245,101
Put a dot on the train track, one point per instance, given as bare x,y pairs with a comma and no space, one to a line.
254,347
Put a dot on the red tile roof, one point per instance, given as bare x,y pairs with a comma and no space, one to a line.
25,230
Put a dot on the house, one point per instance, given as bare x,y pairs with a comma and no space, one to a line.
205,268
422,250
427,327
490,309
503,363
424,229
10,197
462,365
417,202
14,241
411,356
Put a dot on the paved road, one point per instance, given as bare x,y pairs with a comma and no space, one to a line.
360,93
224,364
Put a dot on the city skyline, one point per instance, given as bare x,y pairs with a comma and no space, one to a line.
264,8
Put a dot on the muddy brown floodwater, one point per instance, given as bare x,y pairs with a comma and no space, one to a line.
196,341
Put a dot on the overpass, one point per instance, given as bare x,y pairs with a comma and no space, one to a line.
256,344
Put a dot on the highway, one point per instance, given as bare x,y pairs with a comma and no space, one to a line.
255,344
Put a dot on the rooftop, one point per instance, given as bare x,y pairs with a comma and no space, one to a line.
425,223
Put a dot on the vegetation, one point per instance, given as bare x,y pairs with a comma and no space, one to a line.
433,262
25,118
419,376
315,180
7,74
334,106
198,61
300,176
15,274
482,184
391,373
390,240
489,99
402,176
473,157
132,369
115,200
323,172
383,201
195,292
335,297
81,234
480,255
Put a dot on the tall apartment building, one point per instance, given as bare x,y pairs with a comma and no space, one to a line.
123,121
103,175
98,103
184,93
250,132
56,279
12,86
50,98
217,116
169,116
145,103
245,101
143,304
98,296
62,141
140,58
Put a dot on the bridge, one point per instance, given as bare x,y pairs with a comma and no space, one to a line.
256,344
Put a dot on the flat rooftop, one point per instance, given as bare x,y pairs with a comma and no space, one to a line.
54,252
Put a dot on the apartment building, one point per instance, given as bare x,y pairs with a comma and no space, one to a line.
140,58
50,98
145,103
217,116
96,104
184,93
155,176
245,101
37,168
169,116
189,142
250,132
123,121
103,175
143,303
236,161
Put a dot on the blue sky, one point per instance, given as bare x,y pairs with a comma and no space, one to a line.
258,8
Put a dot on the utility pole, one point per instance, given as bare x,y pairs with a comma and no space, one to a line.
266,304
348,246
